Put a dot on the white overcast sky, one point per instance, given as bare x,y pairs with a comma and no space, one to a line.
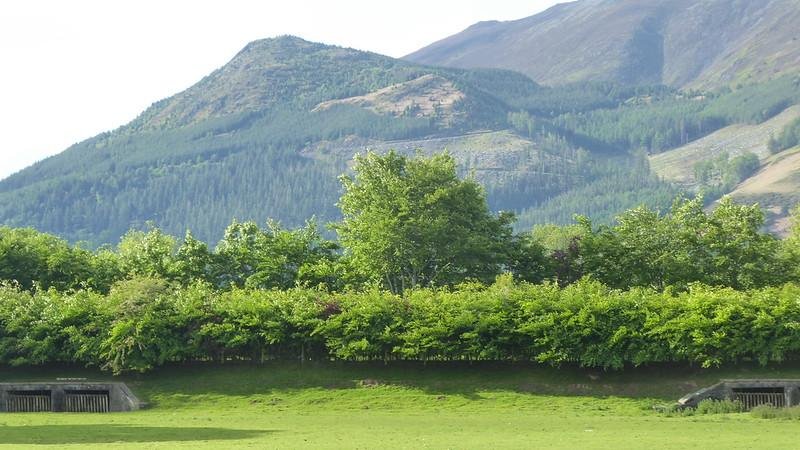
72,69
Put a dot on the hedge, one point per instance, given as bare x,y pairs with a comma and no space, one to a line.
145,322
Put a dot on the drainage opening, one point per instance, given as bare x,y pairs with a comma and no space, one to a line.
29,401
752,397
87,401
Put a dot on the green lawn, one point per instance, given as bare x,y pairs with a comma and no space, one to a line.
400,406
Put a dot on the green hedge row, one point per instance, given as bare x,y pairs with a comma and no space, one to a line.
146,322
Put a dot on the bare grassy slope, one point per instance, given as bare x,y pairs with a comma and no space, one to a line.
676,42
776,187
429,96
678,165
494,158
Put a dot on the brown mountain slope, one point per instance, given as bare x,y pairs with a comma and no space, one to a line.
677,165
776,187
429,96
698,43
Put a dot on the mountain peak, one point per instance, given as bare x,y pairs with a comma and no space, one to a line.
264,74
284,42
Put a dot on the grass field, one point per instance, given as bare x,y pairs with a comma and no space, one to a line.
400,406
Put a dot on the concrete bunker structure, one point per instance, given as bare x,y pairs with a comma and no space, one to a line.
751,393
95,397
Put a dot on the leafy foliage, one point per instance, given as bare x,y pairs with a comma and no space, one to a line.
788,137
723,248
686,286
772,412
146,322
272,258
413,222
712,406
29,257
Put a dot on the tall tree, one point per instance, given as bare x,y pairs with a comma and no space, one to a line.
723,248
147,253
274,257
29,257
412,222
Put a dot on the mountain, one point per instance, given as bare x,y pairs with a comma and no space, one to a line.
775,185
776,188
268,134
677,165
680,43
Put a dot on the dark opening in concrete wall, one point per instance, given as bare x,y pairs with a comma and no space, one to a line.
29,401
67,397
751,393
87,401
755,396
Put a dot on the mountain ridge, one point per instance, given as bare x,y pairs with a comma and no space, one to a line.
268,134
681,43
234,144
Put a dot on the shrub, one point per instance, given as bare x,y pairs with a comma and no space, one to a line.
771,412
712,406
145,322
674,410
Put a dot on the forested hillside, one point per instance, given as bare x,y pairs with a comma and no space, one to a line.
230,146
267,135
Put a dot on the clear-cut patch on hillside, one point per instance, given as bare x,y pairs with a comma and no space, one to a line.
494,158
427,96
678,165
776,187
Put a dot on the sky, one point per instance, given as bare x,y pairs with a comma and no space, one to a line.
73,69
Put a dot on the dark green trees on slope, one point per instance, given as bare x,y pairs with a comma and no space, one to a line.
239,144
787,138
267,135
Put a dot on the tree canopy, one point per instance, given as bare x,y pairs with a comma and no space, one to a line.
411,222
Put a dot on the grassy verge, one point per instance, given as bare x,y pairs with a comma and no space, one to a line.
286,405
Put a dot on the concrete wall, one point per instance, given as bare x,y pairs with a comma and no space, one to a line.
725,390
120,397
